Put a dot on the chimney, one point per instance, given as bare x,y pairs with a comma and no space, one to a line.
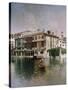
48,32
62,34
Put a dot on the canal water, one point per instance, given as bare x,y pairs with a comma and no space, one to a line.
26,73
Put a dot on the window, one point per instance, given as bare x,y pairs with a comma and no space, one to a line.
18,53
32,38
14,53
35,37
19,48
34,44
42,36
42,44
38,36
41,52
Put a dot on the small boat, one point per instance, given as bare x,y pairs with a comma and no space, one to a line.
41,66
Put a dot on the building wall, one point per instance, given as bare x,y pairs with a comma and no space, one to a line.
47,42
37,42
12,43
61,43
44,41
55,42
51,42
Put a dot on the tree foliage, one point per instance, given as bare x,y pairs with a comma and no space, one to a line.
54,52
63,51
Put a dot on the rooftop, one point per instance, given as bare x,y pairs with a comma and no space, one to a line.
29,33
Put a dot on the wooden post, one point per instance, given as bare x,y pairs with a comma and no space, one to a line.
21,63
16,59
60,54
21,53
16,53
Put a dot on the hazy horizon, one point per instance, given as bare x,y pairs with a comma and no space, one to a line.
38,16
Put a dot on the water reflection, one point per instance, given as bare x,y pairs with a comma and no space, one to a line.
27,72
25,67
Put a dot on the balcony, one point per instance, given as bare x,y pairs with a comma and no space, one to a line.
36,40
41,48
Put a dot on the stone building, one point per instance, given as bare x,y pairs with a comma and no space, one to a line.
35,43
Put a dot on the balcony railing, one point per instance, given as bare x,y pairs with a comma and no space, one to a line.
42,39
35,48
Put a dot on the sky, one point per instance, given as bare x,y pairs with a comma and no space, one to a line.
37,16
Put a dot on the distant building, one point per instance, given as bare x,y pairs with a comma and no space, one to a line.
12,41
23,46
62,41
35,42
43,41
